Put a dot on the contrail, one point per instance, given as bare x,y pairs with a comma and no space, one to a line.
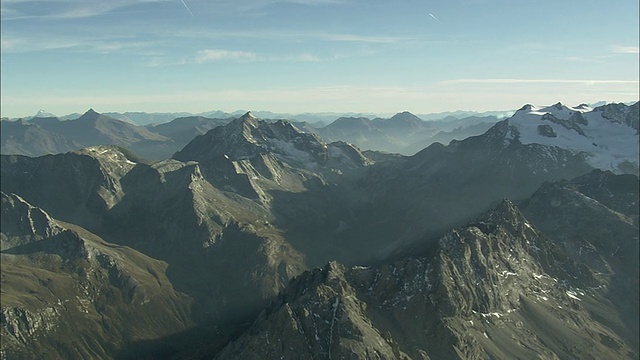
430,14
186,7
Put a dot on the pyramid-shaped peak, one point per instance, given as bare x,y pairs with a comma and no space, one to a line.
90,115
405,116
507,207
248,115
505,214
559,105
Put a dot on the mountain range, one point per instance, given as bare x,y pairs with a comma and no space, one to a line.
43,134
258,239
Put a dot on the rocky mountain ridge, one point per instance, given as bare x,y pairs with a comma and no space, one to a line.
481,291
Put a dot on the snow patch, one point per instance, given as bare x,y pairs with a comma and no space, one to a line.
573,295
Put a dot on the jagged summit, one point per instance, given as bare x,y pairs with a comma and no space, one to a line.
621,114
247,118
247,137
248,114
21,218
505,215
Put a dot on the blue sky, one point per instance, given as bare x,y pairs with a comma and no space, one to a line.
315,55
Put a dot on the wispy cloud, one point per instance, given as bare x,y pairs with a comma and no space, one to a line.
619,49
283,35
582,59
64,10
536,81
73,9
357,38
78,44
213,55
209,55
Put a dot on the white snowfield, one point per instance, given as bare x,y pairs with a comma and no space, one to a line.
608,144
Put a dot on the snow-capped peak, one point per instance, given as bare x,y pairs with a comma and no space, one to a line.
43,114
610,145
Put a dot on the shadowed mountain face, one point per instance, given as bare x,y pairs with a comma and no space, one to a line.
249,205
66,293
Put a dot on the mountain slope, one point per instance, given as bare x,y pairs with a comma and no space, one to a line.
42,136
25,138
492,289
169,211
66,293
594,218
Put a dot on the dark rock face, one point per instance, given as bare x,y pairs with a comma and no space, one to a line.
546,130
621,113
572,123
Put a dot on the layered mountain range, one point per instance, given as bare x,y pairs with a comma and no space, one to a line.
261,240
43,134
